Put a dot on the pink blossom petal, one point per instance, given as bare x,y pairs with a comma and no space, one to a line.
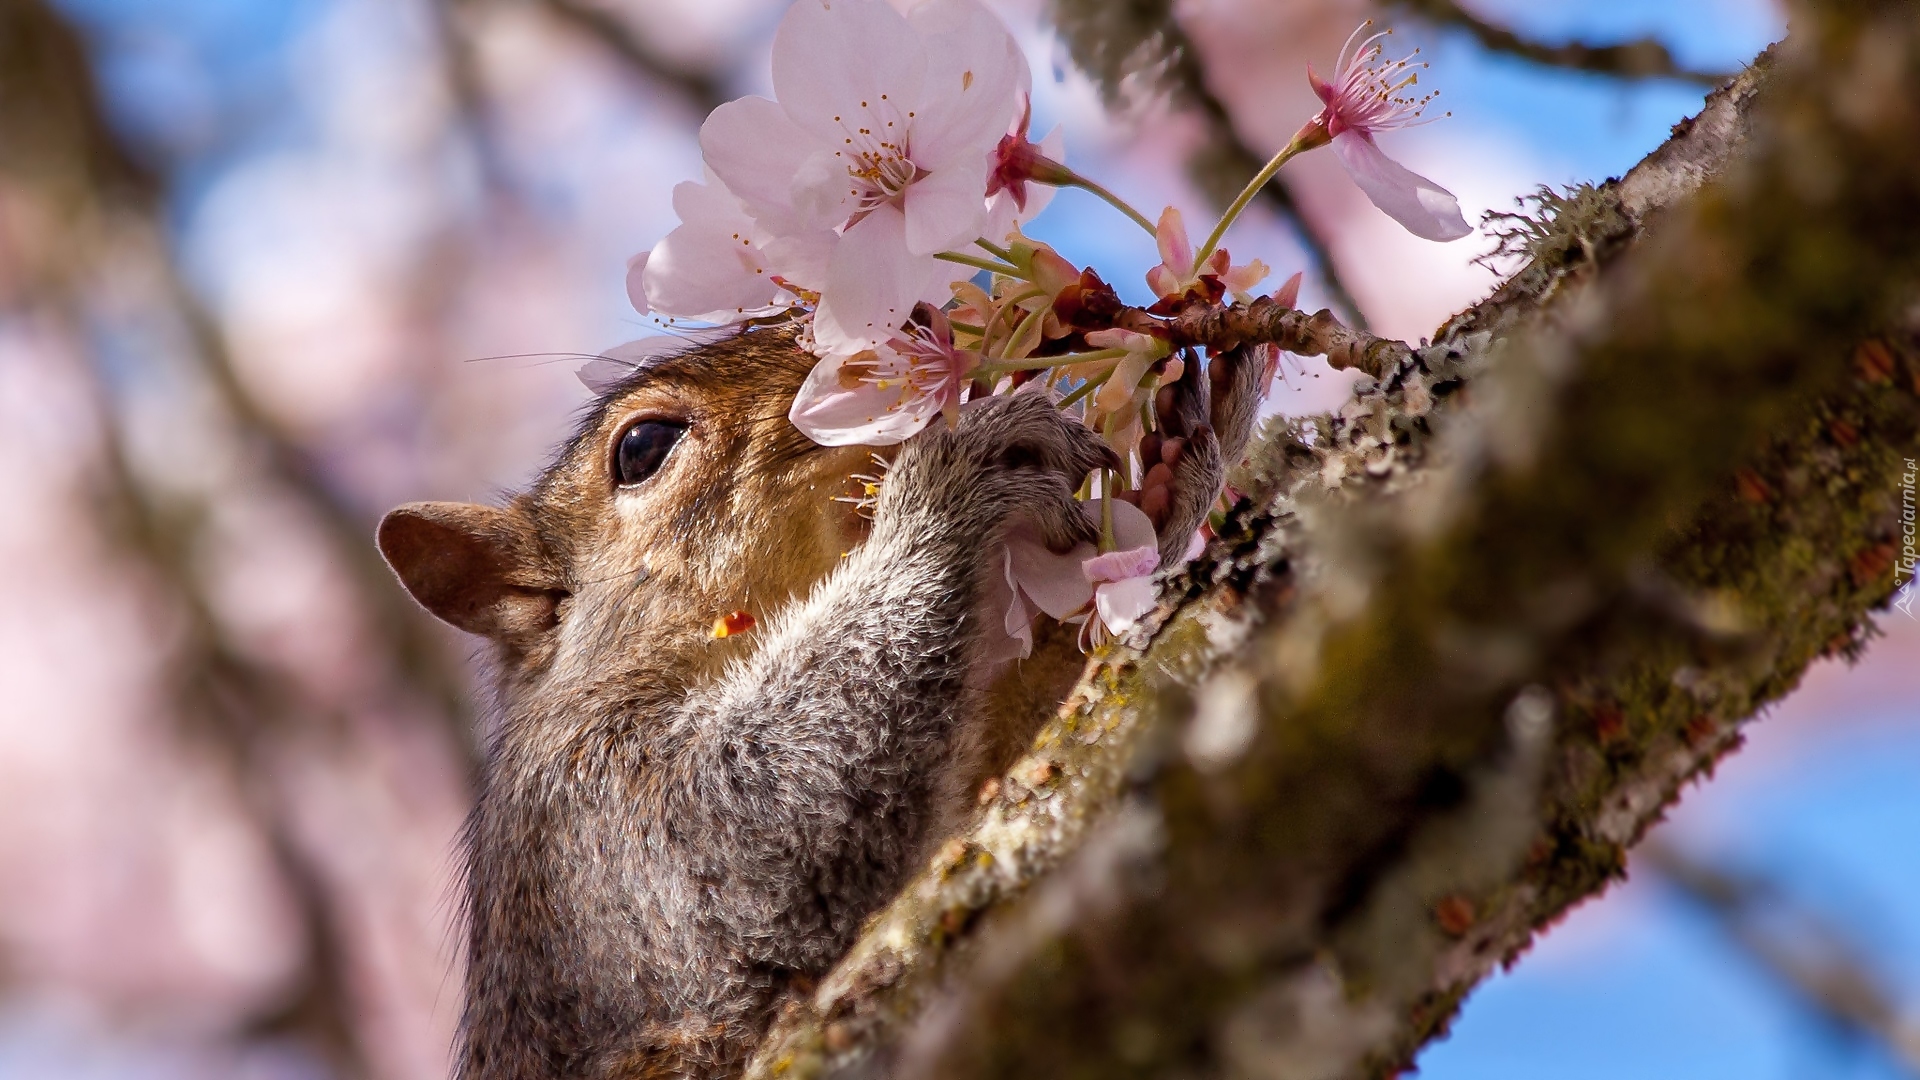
755,149
819,194
1240,280
1132,528
636,292
947,207
1176,251
1016,640
1123,564
1052,581
845,64
1120,604
833,409
1423,207
872,284
976,74
708,268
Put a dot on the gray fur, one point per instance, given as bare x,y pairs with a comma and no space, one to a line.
652,866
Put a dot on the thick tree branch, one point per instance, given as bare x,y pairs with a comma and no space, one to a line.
1420,701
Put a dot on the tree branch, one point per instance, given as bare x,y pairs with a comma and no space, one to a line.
1641,58
1417,701
1810,956
697,84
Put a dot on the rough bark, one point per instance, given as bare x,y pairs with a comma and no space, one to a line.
1467,638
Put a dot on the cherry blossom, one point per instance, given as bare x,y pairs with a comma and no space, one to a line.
1021,175
1361,101
881,132
713,267
1038,580
1177,274
888,393
1142,350
1122,589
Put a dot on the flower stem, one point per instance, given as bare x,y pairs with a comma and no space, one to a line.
1246,195
1020,330
1106,518
1038,363
988,265
1113,200
1007,305
995,250
1085,388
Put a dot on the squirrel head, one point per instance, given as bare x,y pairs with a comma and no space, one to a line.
685,496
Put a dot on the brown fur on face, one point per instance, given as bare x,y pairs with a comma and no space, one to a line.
741,516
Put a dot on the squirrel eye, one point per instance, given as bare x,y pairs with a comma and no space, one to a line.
644,446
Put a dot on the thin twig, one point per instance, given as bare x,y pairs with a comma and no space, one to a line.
1641,58
699,85
1822,968
1218,328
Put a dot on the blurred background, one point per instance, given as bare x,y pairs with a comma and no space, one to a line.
269,267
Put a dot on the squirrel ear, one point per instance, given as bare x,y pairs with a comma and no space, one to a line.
479,568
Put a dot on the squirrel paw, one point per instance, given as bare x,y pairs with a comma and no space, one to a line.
1035,457
1007,456
1182,470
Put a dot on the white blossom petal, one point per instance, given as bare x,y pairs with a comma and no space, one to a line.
871,286
975,76
756,149
837,408
1423,207
846,64
947,208
1120,604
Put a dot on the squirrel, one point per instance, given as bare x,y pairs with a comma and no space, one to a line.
677,824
